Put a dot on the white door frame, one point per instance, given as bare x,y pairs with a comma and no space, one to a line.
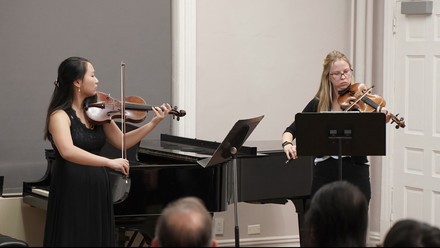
388,77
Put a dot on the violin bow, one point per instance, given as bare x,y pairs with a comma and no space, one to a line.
123,126
122,183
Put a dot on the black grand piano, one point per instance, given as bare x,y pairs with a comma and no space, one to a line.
166,169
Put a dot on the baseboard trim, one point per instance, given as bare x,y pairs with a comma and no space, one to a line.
374,240
275,241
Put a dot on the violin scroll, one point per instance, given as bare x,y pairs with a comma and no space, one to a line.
399,121
177,113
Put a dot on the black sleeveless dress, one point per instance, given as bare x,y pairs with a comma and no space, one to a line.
80,207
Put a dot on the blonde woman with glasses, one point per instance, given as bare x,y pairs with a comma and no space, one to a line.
337,76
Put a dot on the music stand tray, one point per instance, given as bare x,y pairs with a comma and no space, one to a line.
317,134
340,133
235,138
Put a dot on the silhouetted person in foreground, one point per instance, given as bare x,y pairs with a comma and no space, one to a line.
184,223
412,233
338,216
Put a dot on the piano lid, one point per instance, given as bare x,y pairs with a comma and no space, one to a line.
185,149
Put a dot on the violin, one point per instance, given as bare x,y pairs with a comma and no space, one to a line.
103,108
366,102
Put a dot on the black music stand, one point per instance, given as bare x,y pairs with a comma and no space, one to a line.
228,149
340,133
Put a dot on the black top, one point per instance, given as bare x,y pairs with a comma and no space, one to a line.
312,106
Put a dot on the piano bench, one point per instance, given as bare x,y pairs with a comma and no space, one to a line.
6,241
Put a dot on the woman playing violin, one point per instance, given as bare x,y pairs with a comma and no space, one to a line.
336,77
80,206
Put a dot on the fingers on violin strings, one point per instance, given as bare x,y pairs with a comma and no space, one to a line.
166,106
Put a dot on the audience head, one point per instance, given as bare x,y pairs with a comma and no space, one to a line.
184,223
338,216
412,233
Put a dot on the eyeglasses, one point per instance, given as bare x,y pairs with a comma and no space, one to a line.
339,74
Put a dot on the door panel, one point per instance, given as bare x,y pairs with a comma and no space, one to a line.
416,151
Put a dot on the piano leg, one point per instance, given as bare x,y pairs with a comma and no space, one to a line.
301,206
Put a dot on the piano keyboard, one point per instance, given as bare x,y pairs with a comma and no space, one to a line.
41,192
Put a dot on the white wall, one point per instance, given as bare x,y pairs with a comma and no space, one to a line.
262,57
259,57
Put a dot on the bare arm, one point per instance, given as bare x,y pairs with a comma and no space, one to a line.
114,134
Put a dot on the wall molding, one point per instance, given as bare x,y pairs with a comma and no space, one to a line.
184,65
388,89
374,238
274,241
362,40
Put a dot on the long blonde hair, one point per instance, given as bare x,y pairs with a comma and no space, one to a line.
324,94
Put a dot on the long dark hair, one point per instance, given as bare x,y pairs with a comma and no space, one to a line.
70,69
412,233
338,216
